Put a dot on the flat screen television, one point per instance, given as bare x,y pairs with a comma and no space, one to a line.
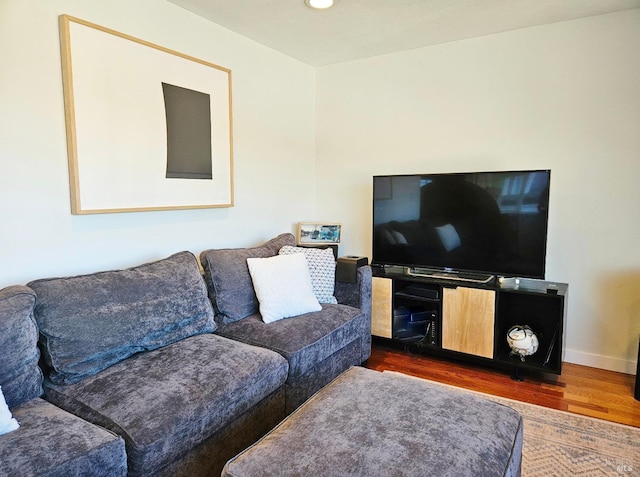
492,223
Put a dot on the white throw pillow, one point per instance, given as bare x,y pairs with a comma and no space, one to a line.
322,268
7,422
283,286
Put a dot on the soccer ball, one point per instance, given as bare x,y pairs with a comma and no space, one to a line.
522,341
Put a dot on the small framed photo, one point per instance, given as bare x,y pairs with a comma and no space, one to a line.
313,233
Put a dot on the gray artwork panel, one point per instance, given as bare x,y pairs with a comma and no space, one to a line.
188,114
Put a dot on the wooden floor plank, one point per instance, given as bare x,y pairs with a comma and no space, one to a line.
579,389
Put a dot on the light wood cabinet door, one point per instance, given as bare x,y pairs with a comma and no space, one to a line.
468,320
381,307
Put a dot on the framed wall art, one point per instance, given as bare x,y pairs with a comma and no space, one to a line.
318,233
148,128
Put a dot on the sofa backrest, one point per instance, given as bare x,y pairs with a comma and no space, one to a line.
20,376
228,279
90,322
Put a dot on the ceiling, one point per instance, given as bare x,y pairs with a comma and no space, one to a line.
356,29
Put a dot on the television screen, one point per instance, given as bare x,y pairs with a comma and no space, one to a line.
487,222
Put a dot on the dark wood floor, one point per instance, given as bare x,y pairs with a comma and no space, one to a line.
588,391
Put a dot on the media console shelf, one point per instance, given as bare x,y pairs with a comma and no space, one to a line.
470,319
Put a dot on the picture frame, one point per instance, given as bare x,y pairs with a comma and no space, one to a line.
310,233
148,128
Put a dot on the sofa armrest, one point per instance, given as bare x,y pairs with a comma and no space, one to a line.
356,294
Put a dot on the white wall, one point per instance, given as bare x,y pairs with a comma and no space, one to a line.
274,141
564,96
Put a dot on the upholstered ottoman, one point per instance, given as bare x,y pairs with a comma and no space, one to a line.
368,423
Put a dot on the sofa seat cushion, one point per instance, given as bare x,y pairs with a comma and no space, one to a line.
167,401
53,442
89,322
20,376
304,340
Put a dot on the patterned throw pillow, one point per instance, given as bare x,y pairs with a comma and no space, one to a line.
322,267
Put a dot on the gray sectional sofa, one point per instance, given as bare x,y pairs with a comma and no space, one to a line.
145,378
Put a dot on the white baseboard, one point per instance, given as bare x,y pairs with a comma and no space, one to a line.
598,361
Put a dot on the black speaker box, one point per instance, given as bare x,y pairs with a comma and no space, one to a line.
347,267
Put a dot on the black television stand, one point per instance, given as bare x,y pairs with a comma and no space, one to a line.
446,314
478,278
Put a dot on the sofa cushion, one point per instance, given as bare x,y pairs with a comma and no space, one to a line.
20,376
54,443
305,340
322,268
283,286
165,402
228,280
90,322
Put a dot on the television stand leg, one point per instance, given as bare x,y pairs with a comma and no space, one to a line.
516,374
